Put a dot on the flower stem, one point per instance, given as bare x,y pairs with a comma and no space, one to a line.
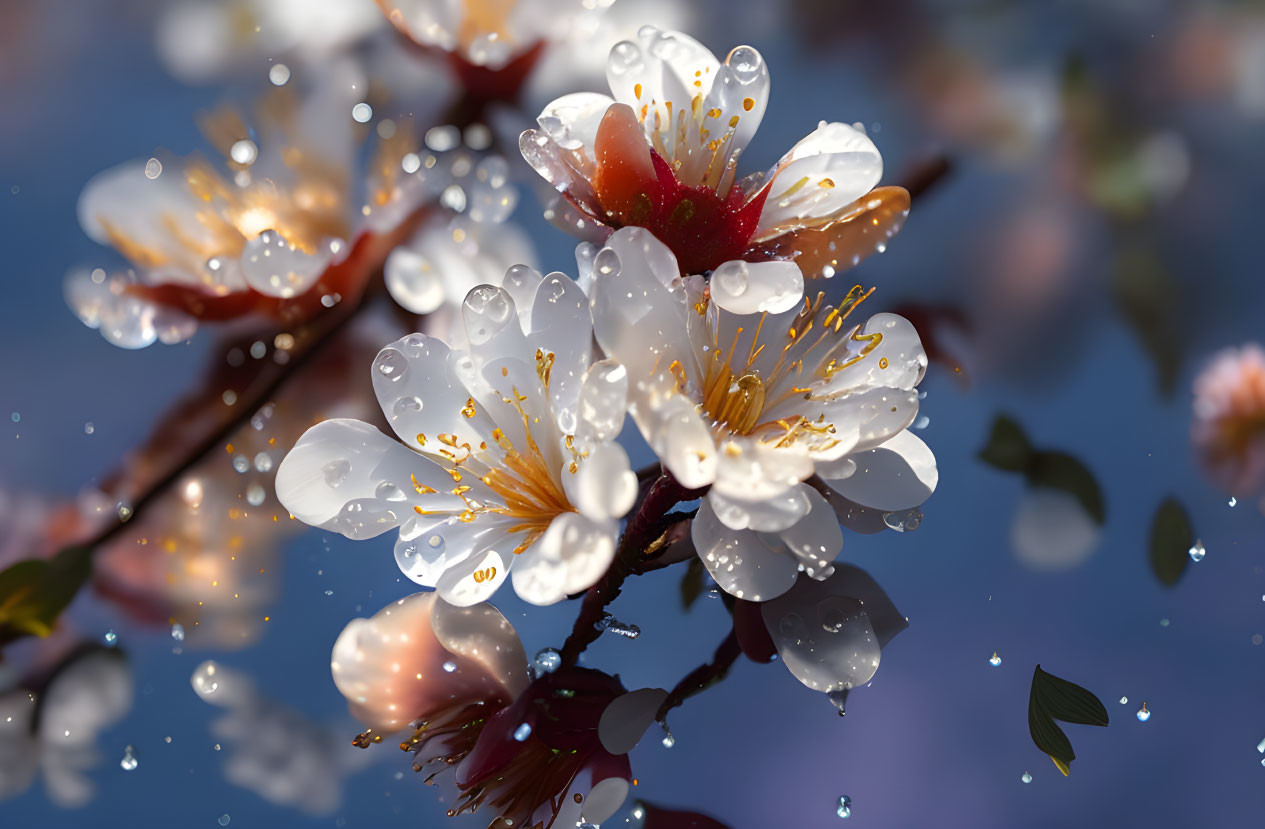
642,530
704,676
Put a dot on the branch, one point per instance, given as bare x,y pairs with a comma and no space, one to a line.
704,676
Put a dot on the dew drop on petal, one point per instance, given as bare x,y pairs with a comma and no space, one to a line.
153,169
336,471
522,732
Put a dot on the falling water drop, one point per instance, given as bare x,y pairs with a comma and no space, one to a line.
548,660
177,632
668,739
450,666
110,638
845,806
994,660
1143,713
1198,552
153,169
224,820
1124,700
1233,502
1027,778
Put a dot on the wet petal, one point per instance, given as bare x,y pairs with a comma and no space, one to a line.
826,171
743,288
896,475
741,561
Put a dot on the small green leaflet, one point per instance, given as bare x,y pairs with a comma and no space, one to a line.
1171,540
1053,699
1009,449
34,592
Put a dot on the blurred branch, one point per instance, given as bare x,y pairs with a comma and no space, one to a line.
704,676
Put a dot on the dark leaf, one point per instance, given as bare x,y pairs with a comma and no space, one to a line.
692,583
1008,447
1053,698
1061,471
1148,298
1171,540
33,593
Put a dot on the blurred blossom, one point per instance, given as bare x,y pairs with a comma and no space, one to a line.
508,457
206,553
277,231
549,750
1052,531
489,33
274,751
200,40
448,257
738,385
663,154
55,731
1228,425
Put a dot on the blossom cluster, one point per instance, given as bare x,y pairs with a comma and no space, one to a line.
701,312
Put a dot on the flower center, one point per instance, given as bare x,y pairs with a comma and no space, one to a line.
636,186
735,402
527,489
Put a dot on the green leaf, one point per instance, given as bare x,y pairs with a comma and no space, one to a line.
1053,698
1171,540
34,592
1061,471
692,583
1008,448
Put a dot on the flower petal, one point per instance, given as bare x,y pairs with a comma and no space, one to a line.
346,476
816,538
571,556
751,288
896,475
473,580
603,485
825,172
741,561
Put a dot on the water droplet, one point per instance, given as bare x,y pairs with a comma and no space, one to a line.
668,739
361,113
1124,700
994,660
1143,713
279,74
522,732
88,428
336,471
129,761
1027,778
1198,552
241,463
255,495
1261,746
1233,502
906,520
609,623
450,666
177,632
16,417
922,422
392,364
845,806
263,462
839,699
110,638
153,169
548,660
244,152
224,820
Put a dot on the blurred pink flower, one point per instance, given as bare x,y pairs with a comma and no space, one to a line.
1228,427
